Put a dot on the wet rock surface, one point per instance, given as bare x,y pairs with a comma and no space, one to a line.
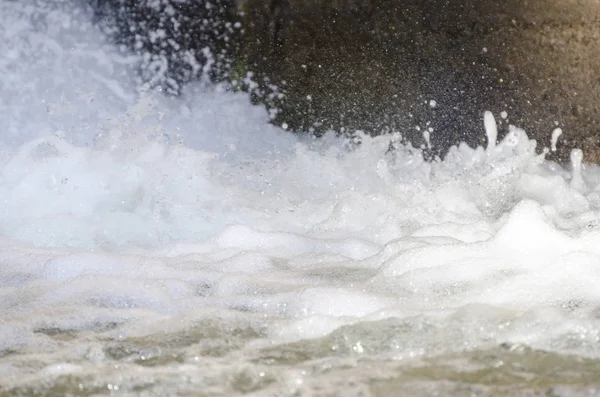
377,65
407,66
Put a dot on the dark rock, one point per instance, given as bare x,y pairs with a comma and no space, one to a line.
376,64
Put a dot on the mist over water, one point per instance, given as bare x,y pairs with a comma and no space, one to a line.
152,245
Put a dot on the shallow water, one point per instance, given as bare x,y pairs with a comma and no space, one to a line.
153,246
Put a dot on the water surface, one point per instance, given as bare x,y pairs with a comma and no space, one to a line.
186,247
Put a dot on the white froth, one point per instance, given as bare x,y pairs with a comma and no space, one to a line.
142,208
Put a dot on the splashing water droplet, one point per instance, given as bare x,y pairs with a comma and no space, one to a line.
555,135
491,130
577,181
427,137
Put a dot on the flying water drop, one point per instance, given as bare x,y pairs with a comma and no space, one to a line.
555,135
577,181
491,130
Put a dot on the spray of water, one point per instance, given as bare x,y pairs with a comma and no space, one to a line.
176,237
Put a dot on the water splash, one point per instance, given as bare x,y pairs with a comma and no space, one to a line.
172,237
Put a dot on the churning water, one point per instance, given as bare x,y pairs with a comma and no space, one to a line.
186,247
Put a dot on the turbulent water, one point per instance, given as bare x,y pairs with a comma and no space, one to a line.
186,247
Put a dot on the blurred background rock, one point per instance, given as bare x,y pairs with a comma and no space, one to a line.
384,65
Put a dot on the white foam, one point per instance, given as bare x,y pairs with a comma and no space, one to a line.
144,208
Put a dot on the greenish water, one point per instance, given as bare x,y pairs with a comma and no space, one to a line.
229,358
